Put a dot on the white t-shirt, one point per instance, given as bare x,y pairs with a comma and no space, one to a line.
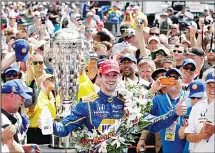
196,121
210,113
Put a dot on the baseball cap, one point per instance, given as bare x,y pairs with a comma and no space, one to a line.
94,55
12,68
90,14
44,77
17,86
170,9
173,70
179,47
128,56
109,66
156,72
153,38
12,14
21,48
160,49
196,51
189,61
210,77
197,88
36,13
164,13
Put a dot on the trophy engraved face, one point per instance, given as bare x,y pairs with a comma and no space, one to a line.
68,52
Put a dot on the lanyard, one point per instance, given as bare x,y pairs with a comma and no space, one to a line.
178,120
169,101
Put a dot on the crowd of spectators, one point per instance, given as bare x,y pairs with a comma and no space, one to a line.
175,46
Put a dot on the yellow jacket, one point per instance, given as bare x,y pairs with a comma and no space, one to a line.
34,111
85,86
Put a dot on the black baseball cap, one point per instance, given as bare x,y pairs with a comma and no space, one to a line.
196,51
156,72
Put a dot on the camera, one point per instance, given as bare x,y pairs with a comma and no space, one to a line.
43,19
167,81
139,21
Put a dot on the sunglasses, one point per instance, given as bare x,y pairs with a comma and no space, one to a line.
36,62
168,60
210,50
176,77
160,53
157,34
195,98
178,51
185,67
89,31
12,18
12,73
173,28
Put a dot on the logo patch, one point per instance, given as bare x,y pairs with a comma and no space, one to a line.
194,86
24,50
13,89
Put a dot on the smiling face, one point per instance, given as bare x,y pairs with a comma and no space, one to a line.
145,72
109,82
128,68
38,64
210,89
188,72
178,54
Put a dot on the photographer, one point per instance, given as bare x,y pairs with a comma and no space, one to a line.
184,15
39,28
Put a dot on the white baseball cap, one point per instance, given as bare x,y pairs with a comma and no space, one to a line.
154,38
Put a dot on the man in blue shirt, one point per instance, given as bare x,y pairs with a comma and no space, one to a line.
162,104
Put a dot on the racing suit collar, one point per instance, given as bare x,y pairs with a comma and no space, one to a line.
104,96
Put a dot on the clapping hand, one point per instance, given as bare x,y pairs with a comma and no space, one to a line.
209,128
8,133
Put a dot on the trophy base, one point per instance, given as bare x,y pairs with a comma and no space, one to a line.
58,147
61,143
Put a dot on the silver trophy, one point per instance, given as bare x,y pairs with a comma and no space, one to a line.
67,53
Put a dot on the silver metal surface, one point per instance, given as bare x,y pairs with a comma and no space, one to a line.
66,54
